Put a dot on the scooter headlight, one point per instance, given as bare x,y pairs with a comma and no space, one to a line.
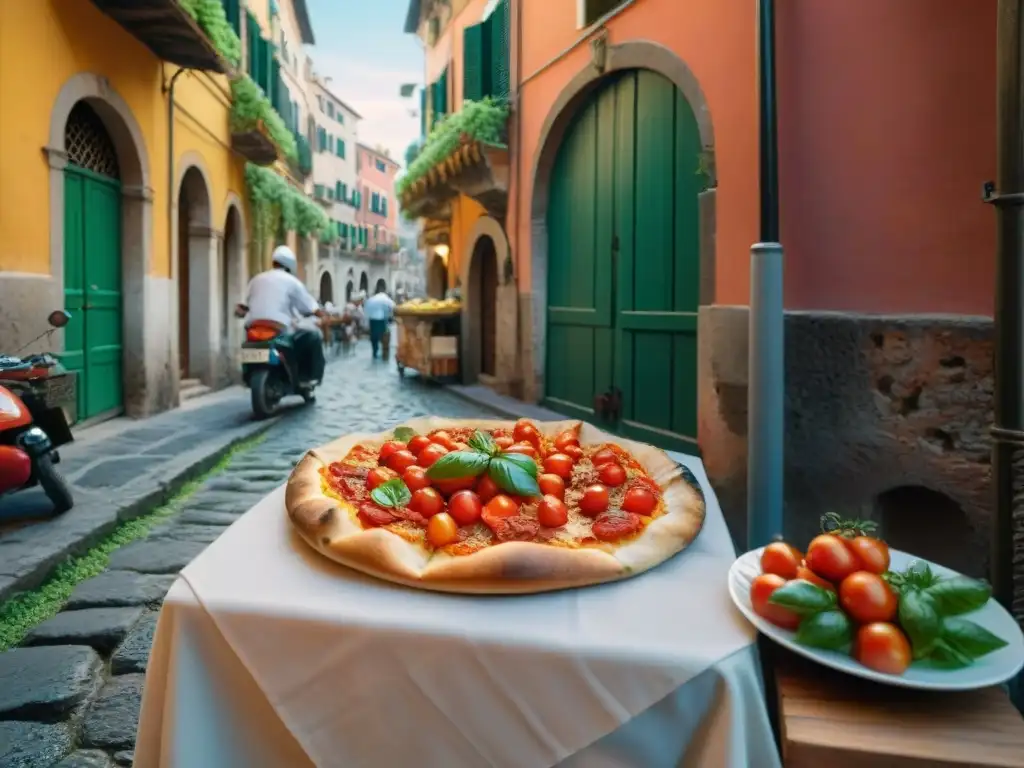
8,405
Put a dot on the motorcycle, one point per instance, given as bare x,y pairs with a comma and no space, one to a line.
270,366
33,421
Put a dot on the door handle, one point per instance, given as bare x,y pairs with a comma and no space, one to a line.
601,405
614,403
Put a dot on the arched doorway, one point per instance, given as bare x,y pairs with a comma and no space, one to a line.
364,283
437,278
232,283
349,288
93,345
482,296
326,288
196,255
623,210
381,285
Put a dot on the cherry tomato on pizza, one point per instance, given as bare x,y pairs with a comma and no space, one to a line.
611,474
830,557
612,526
552,512
379,476
465,507
639,500
418,443
448,487
551,485
501,506
415,478
374,516
486,488
427,502
604,456
564,439
504,441
442,530
558,464
390,448
444,439
524,448
526,432
401,460
430,454
867,598
882,647
574,452
594,500
761,588
781,559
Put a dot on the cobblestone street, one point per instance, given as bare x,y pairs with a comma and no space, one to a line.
70,695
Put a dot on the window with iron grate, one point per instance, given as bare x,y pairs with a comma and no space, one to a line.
87,143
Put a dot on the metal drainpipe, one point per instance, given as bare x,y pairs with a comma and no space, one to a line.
1008,402
766,360
170,161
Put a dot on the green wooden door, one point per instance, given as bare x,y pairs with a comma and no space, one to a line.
623,283
92,289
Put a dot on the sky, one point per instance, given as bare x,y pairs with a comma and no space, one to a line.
360,45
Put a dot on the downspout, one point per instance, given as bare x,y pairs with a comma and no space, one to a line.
176,367
766,360
1007,195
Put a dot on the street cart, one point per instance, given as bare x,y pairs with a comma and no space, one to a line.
428,338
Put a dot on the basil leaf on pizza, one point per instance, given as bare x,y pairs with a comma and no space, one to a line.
404,434
394,493
522,460
483,443
512,476
459,464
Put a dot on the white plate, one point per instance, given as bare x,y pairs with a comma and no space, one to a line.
255,355
989,670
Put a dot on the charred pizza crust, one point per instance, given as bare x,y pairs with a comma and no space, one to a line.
513,567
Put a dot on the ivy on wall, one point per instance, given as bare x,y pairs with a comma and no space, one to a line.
211,17
478,120
250,109
277,206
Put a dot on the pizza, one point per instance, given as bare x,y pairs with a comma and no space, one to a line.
494,507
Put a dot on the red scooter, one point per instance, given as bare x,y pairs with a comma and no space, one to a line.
32,426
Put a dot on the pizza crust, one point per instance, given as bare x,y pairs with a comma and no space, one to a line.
514,567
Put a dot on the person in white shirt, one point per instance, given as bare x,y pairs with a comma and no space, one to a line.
379,310
279,298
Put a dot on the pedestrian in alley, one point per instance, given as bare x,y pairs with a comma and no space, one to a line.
379,310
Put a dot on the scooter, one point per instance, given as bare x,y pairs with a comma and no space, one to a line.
33,424
270,366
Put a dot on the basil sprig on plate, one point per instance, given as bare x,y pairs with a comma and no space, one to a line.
404,434
394,493
512,472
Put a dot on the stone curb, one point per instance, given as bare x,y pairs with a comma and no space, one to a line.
503,405
94,519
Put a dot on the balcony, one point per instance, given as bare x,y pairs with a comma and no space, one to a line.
254,144
167,30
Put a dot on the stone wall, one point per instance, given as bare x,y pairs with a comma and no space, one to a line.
886,417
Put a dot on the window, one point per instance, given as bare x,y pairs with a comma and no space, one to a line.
340,116
320,103
330,109
375,203
344,192
339,190
340,149
330,193
383,206
589,11
318,190
381,165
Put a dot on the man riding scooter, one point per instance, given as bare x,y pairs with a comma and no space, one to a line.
275,297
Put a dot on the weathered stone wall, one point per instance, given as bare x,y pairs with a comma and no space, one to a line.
885,415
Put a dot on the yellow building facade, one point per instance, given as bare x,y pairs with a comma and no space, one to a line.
122,200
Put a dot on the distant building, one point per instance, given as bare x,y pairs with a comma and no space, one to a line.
377,214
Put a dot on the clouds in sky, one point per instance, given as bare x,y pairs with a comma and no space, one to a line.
371,89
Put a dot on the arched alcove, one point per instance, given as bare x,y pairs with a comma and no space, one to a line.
928,523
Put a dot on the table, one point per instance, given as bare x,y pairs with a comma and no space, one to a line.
267,654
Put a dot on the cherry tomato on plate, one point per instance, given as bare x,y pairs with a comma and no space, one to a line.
427,502
872,553
867,598
401,460
612,474
761,589
418,443
639,500
594,500
604,456
465,507
781,559
805,573
430,454
552,512
551,485
442,530
379,476
415,478
558,464
882,647
390,448
566,438
829,557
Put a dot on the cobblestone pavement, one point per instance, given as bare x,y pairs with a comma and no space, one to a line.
70,696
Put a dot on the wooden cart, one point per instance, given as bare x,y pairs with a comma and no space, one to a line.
428,342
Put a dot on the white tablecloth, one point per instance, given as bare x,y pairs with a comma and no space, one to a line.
267,654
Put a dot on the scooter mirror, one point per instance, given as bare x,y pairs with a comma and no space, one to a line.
59,318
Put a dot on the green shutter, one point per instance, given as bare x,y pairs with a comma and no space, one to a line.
423,112
473,63
318,190
252,34
383,206
274,84
344,192
337,190
233,12
498,22
341,149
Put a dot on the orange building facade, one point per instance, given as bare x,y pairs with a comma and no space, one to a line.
632,200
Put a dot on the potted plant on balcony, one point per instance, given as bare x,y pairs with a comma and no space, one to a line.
257,131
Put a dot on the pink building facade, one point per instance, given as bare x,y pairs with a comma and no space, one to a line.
378,211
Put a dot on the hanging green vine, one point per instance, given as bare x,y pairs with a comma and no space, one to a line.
480,120
250,109
277,205
210,16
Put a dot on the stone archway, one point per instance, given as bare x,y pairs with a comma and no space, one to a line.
437,276
145,384
233,281
490,304
364,283
326,288
196,272
380,285
626,56
349,290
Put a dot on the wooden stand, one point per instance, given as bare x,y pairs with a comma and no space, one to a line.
428,343
831,720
